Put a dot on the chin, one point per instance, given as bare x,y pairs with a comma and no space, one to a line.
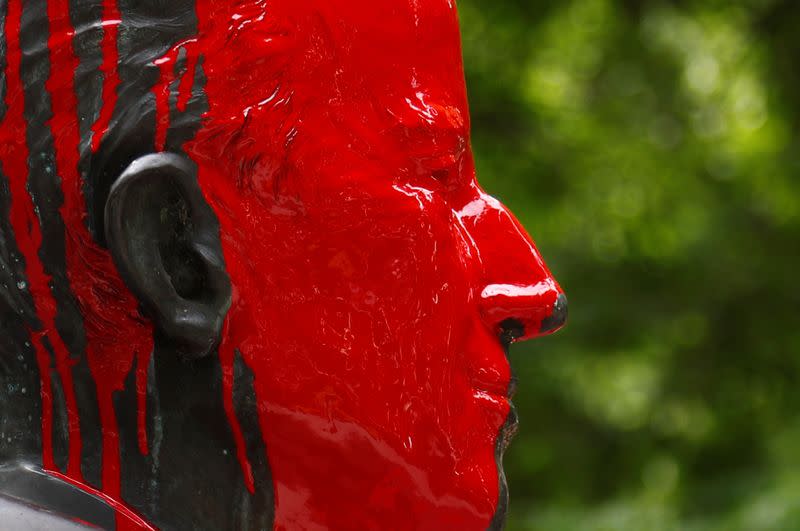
504,437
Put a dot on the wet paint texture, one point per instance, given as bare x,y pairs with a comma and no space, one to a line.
372,277
116,333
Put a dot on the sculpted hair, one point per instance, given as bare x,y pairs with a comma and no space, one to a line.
80,99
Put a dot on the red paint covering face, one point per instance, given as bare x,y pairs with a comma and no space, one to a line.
370,271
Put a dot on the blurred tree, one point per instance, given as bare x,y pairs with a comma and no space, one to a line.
652,150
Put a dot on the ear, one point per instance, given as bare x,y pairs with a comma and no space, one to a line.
164,239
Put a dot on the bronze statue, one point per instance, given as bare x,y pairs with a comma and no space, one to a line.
248,278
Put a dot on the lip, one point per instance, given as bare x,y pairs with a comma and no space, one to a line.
509,430
498,391
511,426
513,385
491,374
505,436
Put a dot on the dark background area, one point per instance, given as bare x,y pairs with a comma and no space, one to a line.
651,149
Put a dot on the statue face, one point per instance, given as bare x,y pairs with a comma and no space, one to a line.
373,278
284,190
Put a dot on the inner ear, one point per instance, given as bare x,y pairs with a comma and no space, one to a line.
164,239
180,260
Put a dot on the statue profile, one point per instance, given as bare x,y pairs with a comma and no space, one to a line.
248,279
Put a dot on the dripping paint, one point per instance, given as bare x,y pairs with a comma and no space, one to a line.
376,285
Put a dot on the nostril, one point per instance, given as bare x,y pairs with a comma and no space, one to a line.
558,317
519,312
510,331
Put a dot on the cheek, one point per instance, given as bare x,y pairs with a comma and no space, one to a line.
366,275
356,314
343,301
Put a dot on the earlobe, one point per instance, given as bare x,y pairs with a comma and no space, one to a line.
164,239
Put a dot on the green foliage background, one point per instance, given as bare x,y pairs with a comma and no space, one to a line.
651,149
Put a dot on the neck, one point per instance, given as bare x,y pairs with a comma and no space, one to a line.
190,472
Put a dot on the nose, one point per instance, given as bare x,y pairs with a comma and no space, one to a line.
519,297
558,316
518,312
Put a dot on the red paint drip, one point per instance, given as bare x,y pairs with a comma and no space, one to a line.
115,331
226,358
187,82
43,362
142,363
111,19
161,90
64,367
29,239
111,458
335,154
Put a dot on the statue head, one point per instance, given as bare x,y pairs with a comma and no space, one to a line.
249,278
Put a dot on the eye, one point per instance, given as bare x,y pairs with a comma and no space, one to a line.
433,149
431,137
433,145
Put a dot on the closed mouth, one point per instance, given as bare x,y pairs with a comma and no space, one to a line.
509,430
510,332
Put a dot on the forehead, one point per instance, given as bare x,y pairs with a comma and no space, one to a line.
350,46
322,90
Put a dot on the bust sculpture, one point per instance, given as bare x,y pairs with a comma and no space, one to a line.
248,279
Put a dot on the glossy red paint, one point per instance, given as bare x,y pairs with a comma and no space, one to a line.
370,272
111,20
14,156
166,66
115,331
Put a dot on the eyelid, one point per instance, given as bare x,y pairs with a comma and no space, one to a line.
433,151
424,140
431,136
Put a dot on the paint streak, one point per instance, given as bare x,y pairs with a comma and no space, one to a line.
43,363
161,90
142,364
369,269
187,81
116,332
14,154
227,357
111,21
335,153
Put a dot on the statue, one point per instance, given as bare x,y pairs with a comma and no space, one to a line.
247,277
